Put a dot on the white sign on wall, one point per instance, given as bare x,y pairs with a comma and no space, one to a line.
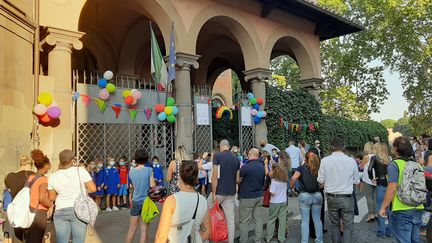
245,116
202,114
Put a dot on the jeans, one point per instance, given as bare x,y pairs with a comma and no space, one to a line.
370,193
341,208
277,211
250,208
406,226
383,229
66,221
311,202
227,203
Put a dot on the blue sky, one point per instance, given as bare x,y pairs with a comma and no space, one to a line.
395,105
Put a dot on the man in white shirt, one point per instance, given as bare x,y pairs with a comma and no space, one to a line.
338,172
265,146
295,154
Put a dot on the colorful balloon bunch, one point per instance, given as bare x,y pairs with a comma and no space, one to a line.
256,105
167,112
47,109
131,97
106,88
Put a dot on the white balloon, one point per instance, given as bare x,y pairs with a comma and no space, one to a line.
133,90
108,75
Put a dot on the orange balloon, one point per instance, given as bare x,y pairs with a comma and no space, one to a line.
159,108
45,118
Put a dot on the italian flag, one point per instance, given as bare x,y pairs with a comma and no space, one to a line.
158,67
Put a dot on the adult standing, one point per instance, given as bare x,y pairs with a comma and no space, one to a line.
251,183
15,181
369,186
296,158
318,148
377,171
338,172
64,186
406,219
177,224
174,167
265,146
224,184
142,180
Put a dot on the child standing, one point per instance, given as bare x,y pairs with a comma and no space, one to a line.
158,171
99,181
275,155
278,202
124,182
91,168
112,184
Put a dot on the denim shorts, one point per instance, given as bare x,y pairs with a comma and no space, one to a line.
122,191
136,208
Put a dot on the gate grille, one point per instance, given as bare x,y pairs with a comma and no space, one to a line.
247,137
203,141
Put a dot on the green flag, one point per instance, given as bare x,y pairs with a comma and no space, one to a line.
158,67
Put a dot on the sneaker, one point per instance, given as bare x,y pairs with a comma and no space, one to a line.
109,209
115,208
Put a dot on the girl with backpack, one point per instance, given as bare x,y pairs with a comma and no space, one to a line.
310,197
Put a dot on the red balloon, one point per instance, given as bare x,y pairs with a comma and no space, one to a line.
129,100
159,108
45,118
260,101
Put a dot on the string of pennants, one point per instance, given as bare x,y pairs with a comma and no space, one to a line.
116,107
298,127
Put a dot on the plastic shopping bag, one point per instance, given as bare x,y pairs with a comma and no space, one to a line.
149,210
219,227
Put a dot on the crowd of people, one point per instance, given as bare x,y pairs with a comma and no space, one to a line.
225,177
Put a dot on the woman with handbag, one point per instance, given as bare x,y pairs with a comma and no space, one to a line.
65,186
177,224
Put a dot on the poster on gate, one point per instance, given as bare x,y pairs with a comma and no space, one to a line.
246,117
202,114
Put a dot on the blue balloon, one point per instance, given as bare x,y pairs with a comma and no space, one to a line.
175,110
256,107
250,96
162,116
102,83
260,114
257,119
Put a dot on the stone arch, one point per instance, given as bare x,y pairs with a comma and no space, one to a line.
304,51
240,29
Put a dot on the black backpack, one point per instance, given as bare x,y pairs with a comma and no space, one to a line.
308,182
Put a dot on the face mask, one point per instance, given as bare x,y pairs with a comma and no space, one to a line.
235,151
92,166
100,166
111,163
155,161
133,164
317,145
122,163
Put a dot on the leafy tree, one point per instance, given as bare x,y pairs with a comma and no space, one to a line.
388,123
236,87
342,101
403,126
286,73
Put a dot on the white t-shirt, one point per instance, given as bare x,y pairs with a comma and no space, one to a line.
209,166
66,183
279,189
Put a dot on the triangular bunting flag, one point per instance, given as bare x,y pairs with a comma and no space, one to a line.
148,113
85,99
133,114
101,104
286,125
312,127
117,109
75,96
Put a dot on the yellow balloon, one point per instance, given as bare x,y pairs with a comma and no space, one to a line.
168,110
45,98
127,93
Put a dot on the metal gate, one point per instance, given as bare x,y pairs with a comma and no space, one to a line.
203,129
102,135
246,127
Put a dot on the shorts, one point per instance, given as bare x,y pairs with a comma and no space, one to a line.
202,181
98,193
136,208
112,190
122,191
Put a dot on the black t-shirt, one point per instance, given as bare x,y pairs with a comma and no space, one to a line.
252,183
15,181
308,182
228,167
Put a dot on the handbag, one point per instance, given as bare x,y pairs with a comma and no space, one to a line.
266,199
85,208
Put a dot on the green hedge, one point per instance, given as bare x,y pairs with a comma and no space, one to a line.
301,107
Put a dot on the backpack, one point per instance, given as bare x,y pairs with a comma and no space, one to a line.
85,207
412,188
308,182
149,210
18,211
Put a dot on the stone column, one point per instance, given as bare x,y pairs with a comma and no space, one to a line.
60,44
312,86
183,95
257,77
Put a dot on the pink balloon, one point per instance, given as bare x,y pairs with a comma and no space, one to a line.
134,101
54,112
40,109
264,113
137,94
104,94
253,112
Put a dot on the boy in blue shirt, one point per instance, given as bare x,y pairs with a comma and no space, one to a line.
157,171
112,184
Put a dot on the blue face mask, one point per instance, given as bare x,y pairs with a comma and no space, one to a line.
122,163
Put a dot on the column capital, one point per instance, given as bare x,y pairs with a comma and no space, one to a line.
311,83
186,60
62,39
258,74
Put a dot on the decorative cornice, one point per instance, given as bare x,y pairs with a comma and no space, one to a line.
312,83
63,39
186,60
259,74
